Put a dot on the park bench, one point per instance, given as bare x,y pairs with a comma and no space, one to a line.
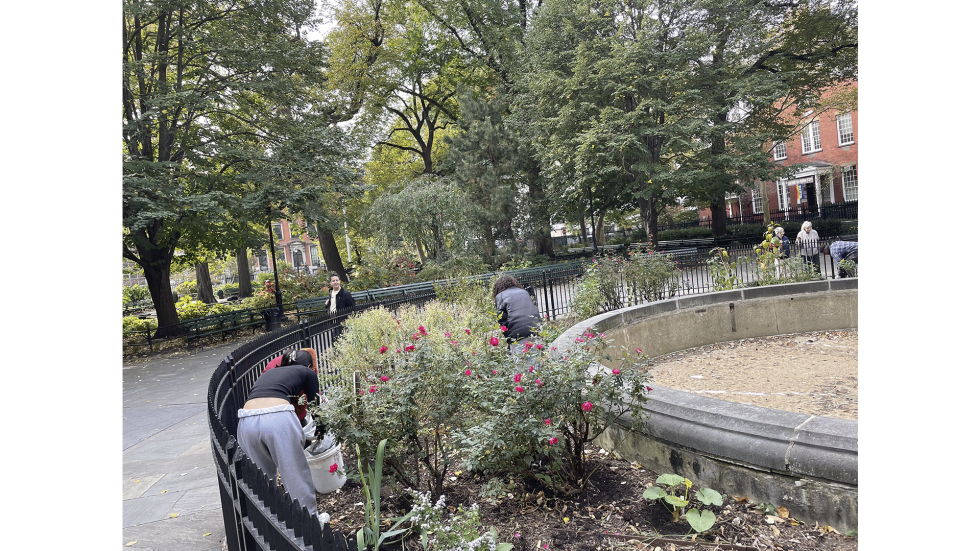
221,324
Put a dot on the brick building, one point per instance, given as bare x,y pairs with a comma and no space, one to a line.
294,248
828,147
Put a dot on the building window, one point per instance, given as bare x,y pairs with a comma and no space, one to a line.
280,254
779,151
782,190
811,137
845,132
756,201
263,257
277,229
314,256
298,259
849,176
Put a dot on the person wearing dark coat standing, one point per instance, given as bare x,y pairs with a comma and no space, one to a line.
340,299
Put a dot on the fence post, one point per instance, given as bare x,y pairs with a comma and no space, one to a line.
544,285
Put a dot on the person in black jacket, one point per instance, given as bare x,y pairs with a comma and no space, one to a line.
340,299
339,302
517,311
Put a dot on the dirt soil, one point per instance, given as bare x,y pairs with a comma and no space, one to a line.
610,514
815,373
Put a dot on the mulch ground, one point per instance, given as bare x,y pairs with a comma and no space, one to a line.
610,514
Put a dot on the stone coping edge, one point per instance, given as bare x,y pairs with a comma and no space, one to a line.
773,440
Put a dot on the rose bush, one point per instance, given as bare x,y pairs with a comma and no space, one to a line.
452,392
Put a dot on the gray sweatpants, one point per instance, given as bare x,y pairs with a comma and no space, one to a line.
273,439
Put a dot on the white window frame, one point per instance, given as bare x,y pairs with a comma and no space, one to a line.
779,150
314,255
810,137
277,230
849,182
845,129
756,201
782,191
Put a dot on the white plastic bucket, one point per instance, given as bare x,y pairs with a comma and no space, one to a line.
323,480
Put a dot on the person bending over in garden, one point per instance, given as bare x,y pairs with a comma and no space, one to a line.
270,434
842,250
303,356
517,311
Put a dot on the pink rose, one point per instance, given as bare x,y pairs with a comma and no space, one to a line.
638,351
373,389
494,371
519,389
615,372
587,406
467,331
447,334
517,378
383,349
503,328
578,339
539,346
553,441
649,388
422,330
494,341
547,422
410,348
384,378
467,372
333,468
538,382
530,369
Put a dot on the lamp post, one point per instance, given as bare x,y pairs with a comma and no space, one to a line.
275,271
595,246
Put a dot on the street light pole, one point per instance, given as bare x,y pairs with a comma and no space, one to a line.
595,246
275,271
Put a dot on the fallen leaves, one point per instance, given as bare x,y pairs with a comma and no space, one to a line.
130,544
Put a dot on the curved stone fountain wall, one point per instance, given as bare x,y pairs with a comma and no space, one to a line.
806,463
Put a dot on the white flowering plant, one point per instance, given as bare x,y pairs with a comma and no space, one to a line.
459,530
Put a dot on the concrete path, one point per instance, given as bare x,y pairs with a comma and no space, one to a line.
170,486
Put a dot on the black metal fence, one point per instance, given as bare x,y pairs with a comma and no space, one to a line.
258,515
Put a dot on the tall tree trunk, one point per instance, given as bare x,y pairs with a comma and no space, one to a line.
205,291
584,237
330,252
541,234
718,216
244,274
600,228
156,269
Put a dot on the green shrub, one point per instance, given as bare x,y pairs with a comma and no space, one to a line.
453,267
134,294
827,228
133,323
646,274
189,308
186,288
684,233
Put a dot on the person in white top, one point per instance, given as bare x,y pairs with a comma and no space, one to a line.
807,241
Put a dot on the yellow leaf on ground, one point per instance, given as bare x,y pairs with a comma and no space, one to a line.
828,529
163,492
775,531
130,544
206,535
172,515
783,512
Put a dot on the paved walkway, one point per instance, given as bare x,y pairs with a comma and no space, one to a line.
170,485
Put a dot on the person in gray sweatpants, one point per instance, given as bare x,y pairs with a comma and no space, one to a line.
270,434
